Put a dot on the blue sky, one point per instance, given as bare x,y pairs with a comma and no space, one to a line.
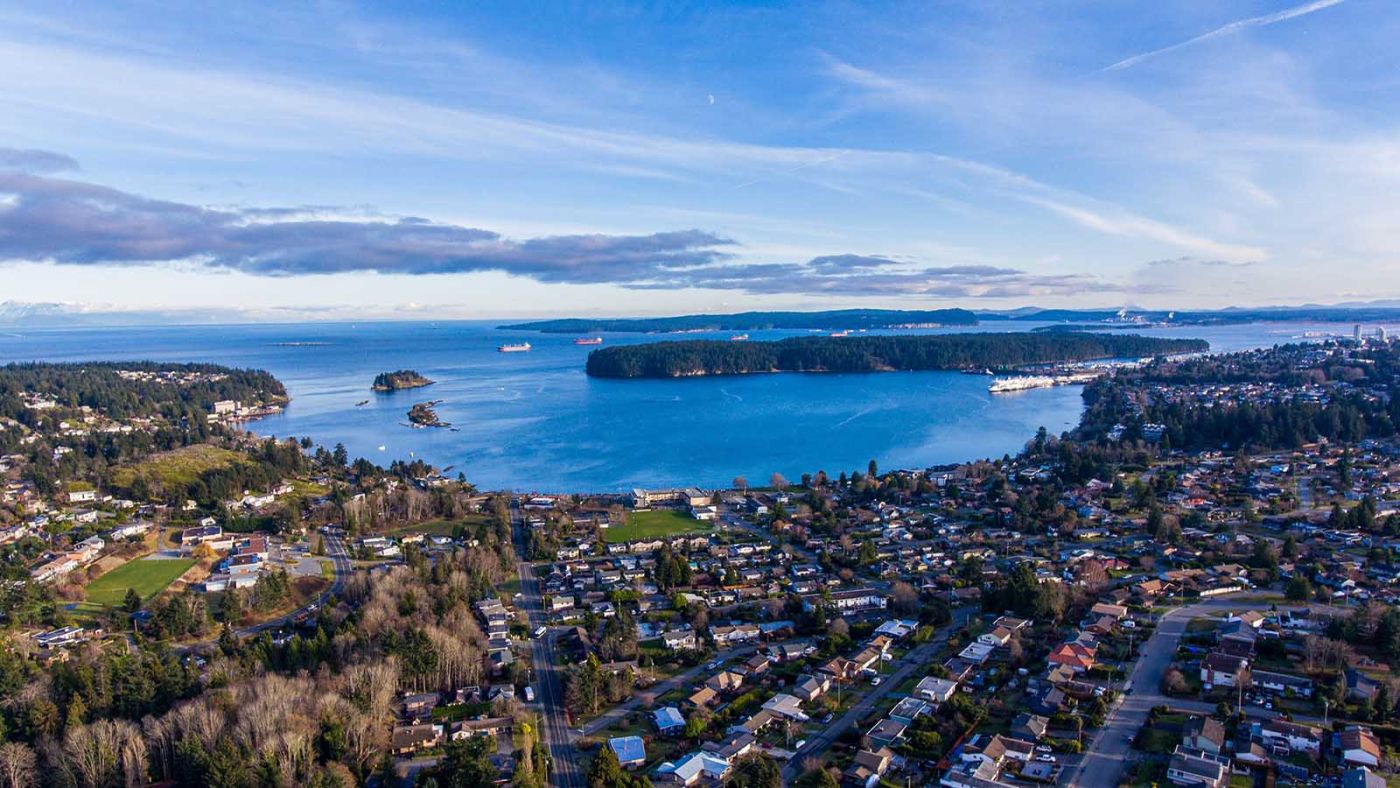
492,159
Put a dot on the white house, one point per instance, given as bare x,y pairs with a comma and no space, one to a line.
935,690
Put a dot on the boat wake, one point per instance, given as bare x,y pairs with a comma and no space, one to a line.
730,395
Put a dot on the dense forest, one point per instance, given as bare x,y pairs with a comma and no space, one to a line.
746,321
872,353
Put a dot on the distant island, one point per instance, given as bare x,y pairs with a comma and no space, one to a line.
423,415
832,320
874,353
402,379
1129,317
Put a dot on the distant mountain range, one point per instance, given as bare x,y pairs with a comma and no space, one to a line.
836,320
833,320
21,314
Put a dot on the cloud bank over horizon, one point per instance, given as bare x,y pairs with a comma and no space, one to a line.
68,222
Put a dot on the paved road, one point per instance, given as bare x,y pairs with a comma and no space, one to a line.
1107,755
547,662
340,559
916,659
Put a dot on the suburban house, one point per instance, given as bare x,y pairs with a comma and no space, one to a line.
1359,746
1224,670
1203,733
885,733
690,769
1197,769
1290,736
1282,683
935,690
1074,655
668,720
408,739
631,751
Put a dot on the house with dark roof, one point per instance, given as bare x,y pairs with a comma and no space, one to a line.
1195,769
1203,733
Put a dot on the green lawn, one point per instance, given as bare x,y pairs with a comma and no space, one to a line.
653,524
148,576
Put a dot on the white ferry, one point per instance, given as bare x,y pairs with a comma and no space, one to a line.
523,347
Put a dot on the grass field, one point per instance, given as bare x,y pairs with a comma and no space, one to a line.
438,527
149,577
653,524
179,467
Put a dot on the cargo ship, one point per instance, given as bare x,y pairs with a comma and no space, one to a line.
739,338
588,341
523,347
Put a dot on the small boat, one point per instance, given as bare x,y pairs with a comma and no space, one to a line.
588,341
381,447
739,338
523,347
362,403
839,334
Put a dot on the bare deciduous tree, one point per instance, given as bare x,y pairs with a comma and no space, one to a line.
17,765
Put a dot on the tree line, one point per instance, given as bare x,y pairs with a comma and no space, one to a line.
873,353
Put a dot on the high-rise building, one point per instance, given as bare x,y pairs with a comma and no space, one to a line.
1380,334
1356,332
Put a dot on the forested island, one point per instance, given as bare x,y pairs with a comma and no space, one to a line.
831,320
400,379
874,353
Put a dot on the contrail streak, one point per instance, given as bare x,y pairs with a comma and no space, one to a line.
1225,30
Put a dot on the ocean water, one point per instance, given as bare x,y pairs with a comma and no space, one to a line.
535,422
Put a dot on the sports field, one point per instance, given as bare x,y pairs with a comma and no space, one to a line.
653,524
148,576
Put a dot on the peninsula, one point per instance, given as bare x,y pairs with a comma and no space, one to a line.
875,353
401,379
830,320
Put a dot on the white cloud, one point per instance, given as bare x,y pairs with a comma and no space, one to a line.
1126,224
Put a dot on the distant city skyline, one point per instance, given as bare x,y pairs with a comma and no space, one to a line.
339,161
